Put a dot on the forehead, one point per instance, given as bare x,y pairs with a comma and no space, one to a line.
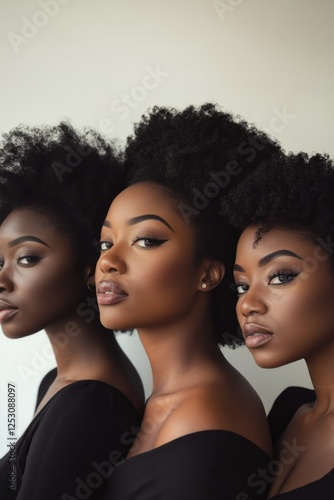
276,239
148,199
23,218
143,198
26,221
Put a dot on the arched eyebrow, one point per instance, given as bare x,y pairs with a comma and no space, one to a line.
22,239
268,258
274,255
141,218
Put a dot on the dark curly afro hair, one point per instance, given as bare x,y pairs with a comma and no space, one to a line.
68,176
197,155
291,193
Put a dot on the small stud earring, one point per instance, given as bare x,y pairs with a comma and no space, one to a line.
204,285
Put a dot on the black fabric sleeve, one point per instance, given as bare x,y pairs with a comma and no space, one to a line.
77,444
45,384
284,408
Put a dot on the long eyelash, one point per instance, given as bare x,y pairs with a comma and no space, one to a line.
34,258
100,244
288,274
155,241
284,273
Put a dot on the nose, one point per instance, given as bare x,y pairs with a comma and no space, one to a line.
251,303
111,261
6,283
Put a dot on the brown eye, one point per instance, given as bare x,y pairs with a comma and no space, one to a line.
241,288
148,242
282,277
28,260
105,245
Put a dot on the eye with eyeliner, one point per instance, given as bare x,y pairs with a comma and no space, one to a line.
281,276
286,274
28,260
105,245
240,287
148,242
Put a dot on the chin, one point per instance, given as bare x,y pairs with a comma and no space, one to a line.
115,325
269,361
16,335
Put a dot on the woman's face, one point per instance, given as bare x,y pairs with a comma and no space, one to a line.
286,297
147,274
39,281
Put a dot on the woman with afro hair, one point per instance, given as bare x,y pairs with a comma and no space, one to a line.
284,275
164,249
55,187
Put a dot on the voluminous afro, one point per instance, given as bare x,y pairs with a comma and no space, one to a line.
68,176
197,155
292,193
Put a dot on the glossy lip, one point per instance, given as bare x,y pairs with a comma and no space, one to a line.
109,293
255,335
6,311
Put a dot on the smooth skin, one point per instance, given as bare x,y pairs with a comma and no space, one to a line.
148,252
286,288
41,281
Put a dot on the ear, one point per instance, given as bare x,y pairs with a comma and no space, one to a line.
213,273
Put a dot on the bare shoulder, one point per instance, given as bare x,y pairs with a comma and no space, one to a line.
314,432
213,407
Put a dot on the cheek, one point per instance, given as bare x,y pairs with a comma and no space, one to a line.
318,317
304,321
51,288
310,303
170,274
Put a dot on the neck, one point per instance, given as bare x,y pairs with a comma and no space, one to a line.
85,350
178,352
77,344
320,367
